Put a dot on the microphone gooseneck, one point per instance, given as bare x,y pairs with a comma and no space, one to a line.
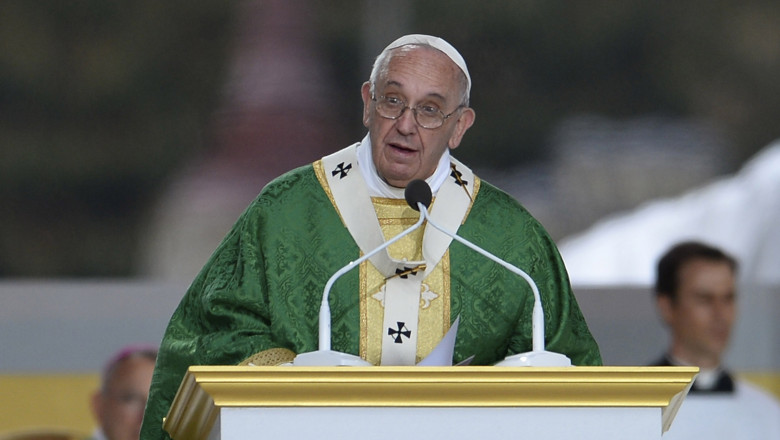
418,191
325,316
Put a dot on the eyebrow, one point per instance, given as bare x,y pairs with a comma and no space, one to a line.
430,95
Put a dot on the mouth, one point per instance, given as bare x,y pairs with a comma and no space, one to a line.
402,149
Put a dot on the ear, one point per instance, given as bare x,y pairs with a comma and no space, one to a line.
665,306
464,122
365,92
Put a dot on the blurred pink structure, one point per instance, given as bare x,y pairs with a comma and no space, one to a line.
274,116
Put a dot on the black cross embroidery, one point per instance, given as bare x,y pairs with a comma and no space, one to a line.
342,169
457,176
407,270
396,334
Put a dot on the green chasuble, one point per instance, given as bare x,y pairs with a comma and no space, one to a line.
262,288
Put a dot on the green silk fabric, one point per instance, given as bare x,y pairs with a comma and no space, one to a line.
262,288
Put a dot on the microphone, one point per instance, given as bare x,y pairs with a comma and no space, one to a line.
417,191
418,195
324,356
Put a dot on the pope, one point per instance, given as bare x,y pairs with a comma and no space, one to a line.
257,299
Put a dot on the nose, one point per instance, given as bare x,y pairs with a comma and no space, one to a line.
406,123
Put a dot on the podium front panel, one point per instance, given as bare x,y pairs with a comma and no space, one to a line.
439,423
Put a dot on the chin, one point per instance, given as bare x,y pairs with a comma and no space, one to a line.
399,182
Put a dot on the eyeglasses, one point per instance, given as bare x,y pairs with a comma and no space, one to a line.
427,116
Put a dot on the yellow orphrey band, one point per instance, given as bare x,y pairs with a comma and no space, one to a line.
319,171
434,320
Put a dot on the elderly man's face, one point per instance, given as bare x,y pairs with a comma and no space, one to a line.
120,407
402,150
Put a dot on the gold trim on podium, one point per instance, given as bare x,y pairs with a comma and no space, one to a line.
206,389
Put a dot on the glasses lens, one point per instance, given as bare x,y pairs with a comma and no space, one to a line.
428,118
393,108
390,108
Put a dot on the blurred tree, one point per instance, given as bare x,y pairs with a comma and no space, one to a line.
536,62
101,99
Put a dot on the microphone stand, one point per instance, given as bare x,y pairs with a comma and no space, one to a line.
324,355
538,356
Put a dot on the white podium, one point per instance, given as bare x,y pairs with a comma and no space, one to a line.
395,403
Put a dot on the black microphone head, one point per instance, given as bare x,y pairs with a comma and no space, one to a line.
417,191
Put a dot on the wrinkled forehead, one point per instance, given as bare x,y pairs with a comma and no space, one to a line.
420,70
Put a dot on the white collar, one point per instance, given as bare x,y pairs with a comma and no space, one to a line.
379,188
707,377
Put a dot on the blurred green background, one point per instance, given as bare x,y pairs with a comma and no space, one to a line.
102,101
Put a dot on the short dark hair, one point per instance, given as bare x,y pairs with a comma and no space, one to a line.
668,270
